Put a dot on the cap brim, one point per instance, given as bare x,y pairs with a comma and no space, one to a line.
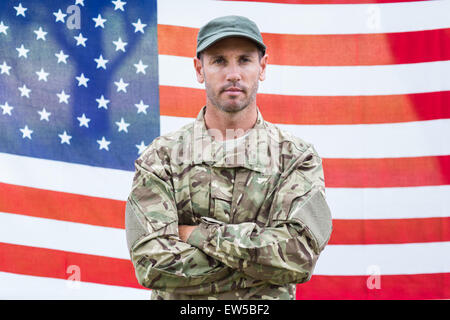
213,39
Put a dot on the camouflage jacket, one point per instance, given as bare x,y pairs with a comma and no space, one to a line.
259,205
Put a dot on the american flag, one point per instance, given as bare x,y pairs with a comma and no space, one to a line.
367,82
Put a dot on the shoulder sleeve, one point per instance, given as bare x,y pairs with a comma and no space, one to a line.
161,260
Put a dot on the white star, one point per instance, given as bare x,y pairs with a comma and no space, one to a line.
26,132
79,2
99,21
65,138
82,80
3,28
20,10
84,122
44,114
121,86
5,68
63,97
118,5
59,16
101,63
103,144
62,57
141,147
120,45
42,75
40,34
6,108
140,67
141,107
102,102
123,126
24,91
22,51
81,40
139,26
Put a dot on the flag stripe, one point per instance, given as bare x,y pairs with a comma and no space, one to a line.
383,173
62,235
313,19
110,213
395,287
109,242
405,258
66,177
321,110
63,206
382,231
365,173
115,272
335,50
389,203
25,287
328,80
96,269
346,204
407,139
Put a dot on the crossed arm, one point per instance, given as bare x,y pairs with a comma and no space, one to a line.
168,256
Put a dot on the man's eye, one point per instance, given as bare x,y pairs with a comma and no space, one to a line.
219,60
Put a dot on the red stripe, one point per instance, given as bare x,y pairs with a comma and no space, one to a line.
62,206
328,50
119,272
390,231
54,263
387,172
187,102
393,287
357,231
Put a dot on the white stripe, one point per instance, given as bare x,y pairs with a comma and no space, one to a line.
345,203
390,140
65,177
336,259
386,140
389,203
326,80
312,19
62,235
25,287
410,258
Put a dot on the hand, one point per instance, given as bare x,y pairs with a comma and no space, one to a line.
185,231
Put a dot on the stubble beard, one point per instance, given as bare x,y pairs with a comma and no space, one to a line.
234,105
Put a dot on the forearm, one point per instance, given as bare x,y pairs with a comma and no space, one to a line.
160,258
277,255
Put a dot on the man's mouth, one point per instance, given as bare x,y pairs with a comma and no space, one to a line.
233,90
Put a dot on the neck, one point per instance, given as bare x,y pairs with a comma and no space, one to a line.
229,125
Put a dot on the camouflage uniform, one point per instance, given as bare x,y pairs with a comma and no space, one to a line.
260,209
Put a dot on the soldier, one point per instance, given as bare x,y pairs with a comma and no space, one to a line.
229,206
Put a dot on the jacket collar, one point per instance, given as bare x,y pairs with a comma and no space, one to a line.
258,150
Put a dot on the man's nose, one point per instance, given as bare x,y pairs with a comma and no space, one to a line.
233,73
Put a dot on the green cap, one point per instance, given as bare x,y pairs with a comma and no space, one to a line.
228,26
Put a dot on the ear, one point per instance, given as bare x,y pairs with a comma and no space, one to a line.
263,65
199,70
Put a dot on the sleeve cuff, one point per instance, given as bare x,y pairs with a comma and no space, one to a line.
199,236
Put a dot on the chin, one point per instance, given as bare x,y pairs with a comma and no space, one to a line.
233,107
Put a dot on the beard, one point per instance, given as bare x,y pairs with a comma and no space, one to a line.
232,104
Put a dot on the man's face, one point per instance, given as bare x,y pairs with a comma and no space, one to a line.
231,69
